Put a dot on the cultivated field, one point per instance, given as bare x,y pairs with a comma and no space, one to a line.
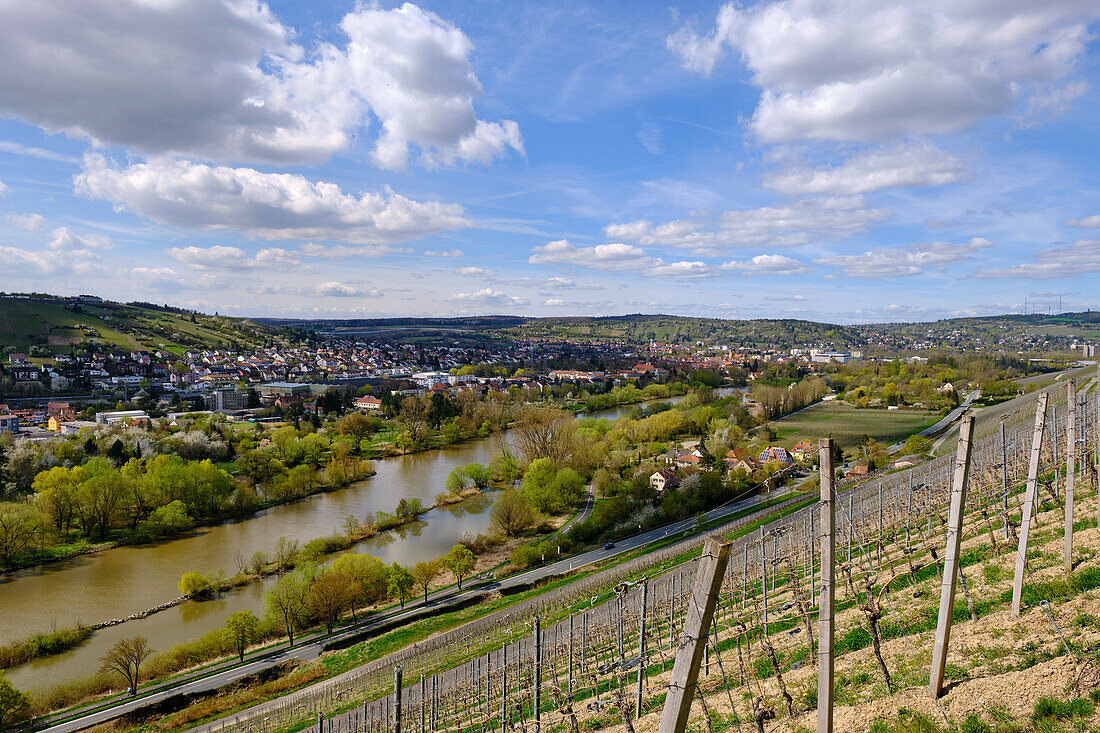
849,426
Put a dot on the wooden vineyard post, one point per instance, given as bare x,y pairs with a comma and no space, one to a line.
503,688
397,699
825,621
1029,502
951,560
689,654
538,674
641,654
1004,480
1071,468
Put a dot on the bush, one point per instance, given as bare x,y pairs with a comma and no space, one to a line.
1051,707
196,585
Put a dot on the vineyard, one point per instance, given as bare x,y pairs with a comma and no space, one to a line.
600,652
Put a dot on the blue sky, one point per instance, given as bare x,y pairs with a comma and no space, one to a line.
850,161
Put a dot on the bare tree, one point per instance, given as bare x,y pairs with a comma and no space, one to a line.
125,658
544,432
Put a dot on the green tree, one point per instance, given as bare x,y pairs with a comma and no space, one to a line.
401,583
14,705
19,527
460,561
478,474
241,629
511,513
424,574
285,603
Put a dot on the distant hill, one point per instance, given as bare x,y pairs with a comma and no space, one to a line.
60,325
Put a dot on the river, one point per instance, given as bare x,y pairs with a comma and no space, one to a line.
124,580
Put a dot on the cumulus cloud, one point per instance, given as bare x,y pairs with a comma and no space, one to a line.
270,206
901,166
487,296
793,223
444,253
553,303
65,252
220,257
767,265
615,257
65,239
31,222
3,188
1089,222
906,261
865,69
473,272
1065,260
224,80
336,289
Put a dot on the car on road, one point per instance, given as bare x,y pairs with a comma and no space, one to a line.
609,545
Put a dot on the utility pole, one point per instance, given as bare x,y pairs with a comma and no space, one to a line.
825,621
951,561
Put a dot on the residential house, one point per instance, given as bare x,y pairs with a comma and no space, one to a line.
664,479
802,450
739,459
369,403
684,458
775,453
9,423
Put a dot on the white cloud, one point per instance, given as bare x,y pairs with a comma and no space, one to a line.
1065,260
906,261
1089,222
474,272
866,69
616,257
167,279
220,257
8,146
552,283
767,265
268,206
66,252
3,188
794,223
487,296
553,303
336,289
444,253
64,239
900,166
341,251
31,222
224,80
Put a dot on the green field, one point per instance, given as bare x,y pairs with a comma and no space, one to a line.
849,426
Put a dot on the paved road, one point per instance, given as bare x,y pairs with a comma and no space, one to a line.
312,646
